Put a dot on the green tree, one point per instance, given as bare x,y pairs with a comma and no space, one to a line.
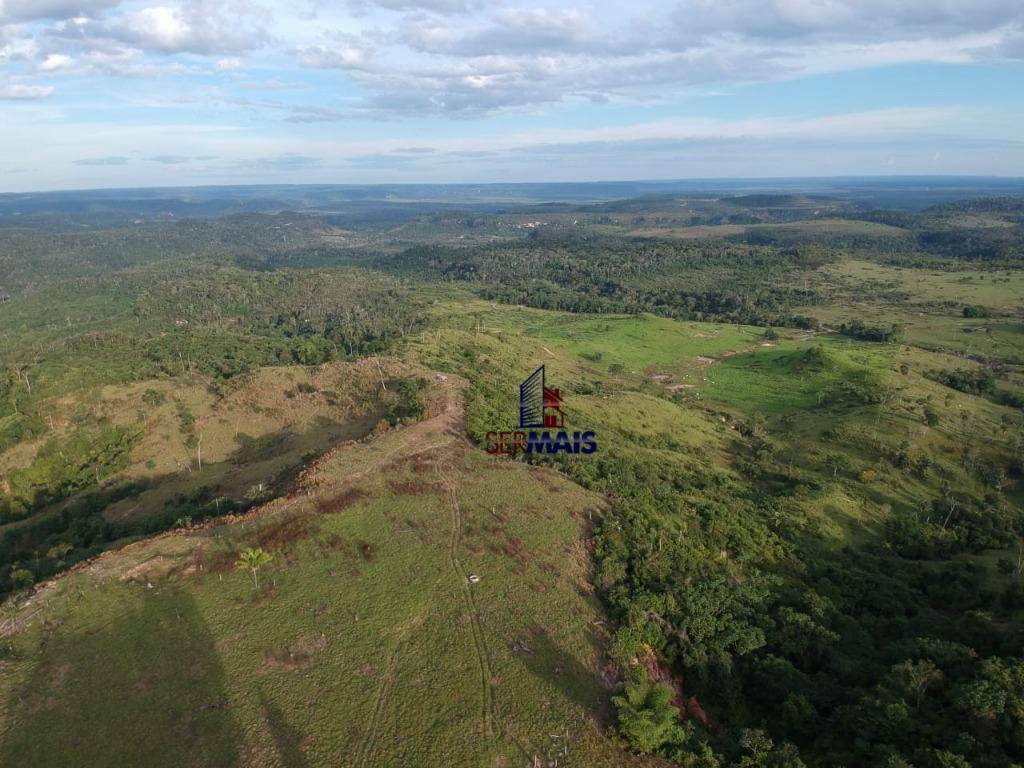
762,752
21,578
837,462
914,678
59,551
647,718
253,560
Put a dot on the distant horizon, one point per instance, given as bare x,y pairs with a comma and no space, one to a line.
716,180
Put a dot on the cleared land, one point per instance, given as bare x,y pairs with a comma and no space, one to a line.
366,644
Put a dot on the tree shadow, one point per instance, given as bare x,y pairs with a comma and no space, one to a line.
257,470
145,688
557,667
287,738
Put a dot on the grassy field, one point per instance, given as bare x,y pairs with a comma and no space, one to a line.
999,290
827,226
366,643
690,233
780,379
635,343
928,304
822,226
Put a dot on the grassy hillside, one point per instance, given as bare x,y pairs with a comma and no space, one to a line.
366,642
121,461
420,591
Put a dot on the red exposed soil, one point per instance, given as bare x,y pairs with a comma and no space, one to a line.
277,534
686,706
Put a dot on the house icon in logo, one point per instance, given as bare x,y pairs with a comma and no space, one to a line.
541,425
539,405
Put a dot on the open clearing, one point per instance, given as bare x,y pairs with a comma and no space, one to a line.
998,290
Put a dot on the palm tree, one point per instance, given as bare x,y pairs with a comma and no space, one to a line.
252,560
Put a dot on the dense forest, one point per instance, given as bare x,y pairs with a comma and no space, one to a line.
709,280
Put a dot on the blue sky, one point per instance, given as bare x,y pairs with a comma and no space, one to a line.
98,93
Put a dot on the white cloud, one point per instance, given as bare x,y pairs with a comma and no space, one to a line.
100,161
437,6
409,62
15,48
114,59
205,27
433,6
470,59
162,27
509,30
19,91
1010,46
864,20
500,57
56,62
336,50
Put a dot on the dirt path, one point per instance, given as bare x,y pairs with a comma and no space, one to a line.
368,744
365,752
489,705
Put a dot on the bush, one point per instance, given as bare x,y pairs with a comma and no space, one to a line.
860,330
410,404
153,398
972,382
647,718
21,578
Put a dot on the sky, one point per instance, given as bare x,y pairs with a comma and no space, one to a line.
121,93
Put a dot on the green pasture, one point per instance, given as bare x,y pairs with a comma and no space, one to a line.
999,290
366,643
635,344
779,380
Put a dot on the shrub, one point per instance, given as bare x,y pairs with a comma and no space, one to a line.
21,578
153,398
647,718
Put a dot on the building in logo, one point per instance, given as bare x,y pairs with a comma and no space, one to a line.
540,408
540,405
